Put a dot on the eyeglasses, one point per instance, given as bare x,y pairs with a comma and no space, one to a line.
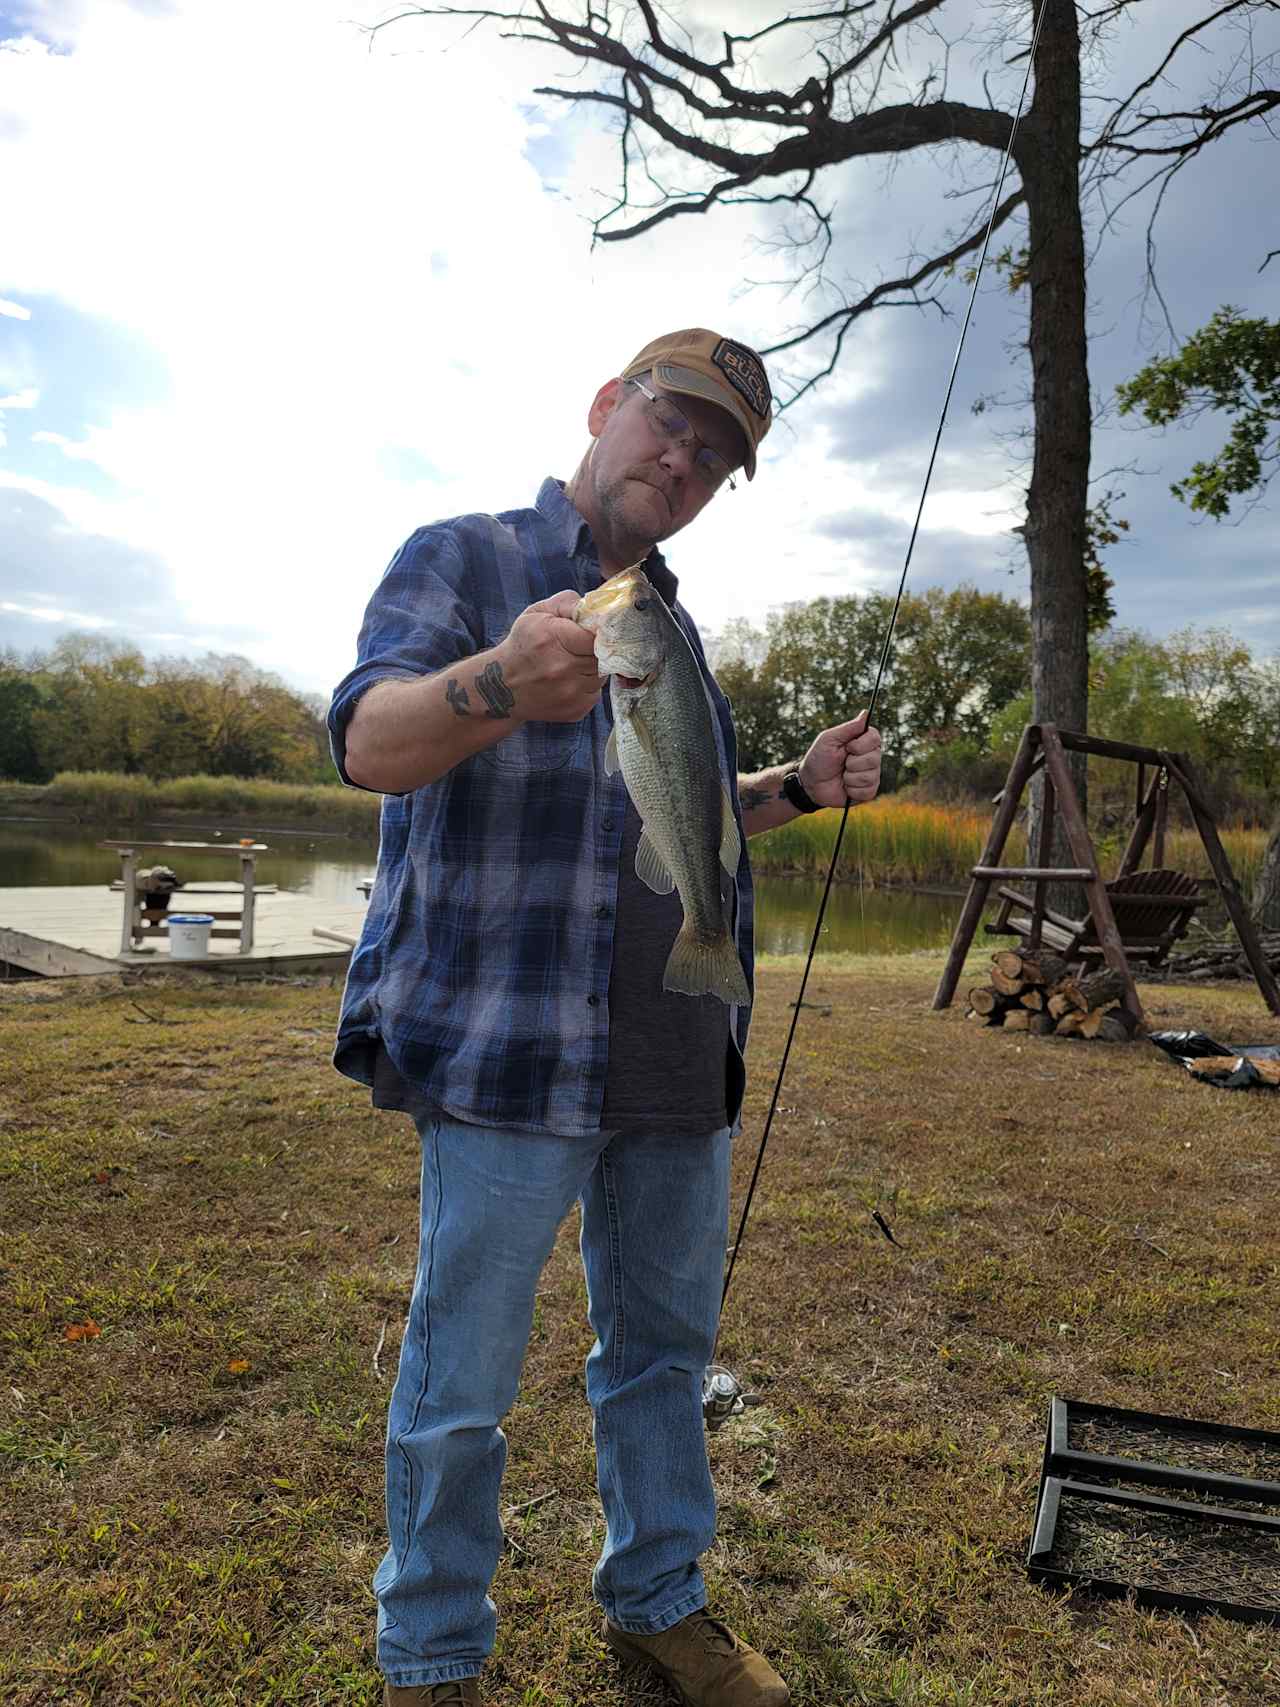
669,424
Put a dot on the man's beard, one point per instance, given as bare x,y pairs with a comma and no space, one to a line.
624,511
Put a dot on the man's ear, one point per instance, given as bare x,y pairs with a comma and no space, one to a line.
604,403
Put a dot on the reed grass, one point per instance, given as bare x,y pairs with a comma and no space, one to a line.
105,794
905,842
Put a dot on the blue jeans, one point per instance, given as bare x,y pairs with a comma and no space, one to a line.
654,1227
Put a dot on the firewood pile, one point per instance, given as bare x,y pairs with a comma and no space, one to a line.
1035,992
1219,959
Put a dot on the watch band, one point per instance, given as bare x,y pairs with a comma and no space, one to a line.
794,790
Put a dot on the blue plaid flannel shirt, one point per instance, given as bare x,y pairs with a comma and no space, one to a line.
483,966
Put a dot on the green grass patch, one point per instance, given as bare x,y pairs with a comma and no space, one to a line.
107,795
193,1501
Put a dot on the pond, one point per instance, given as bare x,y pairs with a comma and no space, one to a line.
328,867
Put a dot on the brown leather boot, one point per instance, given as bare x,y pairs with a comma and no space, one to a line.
462,1692
705,1663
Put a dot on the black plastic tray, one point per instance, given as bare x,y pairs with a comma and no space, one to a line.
1061,1459
1091,1476
1043,1545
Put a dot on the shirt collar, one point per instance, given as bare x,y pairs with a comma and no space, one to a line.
574,536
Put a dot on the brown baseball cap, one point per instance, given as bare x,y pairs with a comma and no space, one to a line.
702,364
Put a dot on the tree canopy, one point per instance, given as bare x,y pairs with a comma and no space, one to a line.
95,704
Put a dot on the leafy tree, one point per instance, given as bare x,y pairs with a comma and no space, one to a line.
1232,367
19,701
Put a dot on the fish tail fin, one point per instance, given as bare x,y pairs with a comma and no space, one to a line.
698,967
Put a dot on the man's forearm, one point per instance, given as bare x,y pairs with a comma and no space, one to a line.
406,734
764,805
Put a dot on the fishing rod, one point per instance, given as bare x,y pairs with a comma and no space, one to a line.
722,1394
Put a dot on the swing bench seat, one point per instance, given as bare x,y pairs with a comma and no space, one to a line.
1153,911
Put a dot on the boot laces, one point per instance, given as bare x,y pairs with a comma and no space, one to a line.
713,1632
448,1695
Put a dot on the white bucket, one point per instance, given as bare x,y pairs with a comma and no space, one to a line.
189,935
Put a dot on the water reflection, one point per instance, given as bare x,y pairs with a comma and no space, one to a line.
329,868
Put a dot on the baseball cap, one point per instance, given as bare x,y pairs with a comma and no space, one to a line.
702,364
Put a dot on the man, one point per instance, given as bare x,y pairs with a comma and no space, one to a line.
507,991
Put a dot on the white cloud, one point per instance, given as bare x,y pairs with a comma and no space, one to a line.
14,310
26,399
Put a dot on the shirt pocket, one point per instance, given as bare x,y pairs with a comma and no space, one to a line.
535,747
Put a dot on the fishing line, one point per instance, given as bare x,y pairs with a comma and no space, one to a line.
884,653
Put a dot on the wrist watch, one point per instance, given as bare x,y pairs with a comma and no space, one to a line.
794,790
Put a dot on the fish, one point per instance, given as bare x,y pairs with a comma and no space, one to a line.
664,743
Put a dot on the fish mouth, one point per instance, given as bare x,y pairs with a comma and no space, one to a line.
635,682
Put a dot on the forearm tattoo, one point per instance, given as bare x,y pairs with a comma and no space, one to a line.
494,691
456,694
751,797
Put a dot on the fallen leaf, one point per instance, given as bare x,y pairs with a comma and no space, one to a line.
239,1366
86,1330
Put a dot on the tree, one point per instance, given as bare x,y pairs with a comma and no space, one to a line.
1230,366
858,89
962,655
19,701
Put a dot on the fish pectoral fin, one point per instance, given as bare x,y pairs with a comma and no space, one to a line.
644,734
611,762
730,840
651,868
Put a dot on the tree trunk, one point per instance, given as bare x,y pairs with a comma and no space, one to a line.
1266,892
1048,156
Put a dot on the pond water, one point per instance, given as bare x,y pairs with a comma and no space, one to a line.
328,867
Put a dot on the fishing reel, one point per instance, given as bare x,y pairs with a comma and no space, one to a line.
724,1396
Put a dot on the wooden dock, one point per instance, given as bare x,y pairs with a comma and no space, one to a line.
74,930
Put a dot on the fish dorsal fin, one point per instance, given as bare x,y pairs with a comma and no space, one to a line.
651,868
611,765
730,841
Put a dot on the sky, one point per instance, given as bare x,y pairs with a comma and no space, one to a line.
275,291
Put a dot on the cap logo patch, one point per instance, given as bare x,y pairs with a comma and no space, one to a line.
745,372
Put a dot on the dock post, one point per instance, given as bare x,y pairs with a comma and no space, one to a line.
129,875
246,914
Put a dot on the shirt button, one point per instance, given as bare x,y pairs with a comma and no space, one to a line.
602,911
592,1000
607,824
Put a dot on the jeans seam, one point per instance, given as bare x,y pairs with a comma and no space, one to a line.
429,1257
615,1273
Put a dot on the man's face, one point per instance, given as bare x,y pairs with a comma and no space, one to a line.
646,488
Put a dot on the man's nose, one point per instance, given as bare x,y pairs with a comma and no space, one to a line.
677,459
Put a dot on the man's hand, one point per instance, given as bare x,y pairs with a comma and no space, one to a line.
843,764
548,663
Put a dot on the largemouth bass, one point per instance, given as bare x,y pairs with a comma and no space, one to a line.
664,742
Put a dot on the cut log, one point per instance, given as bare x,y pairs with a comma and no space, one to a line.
1112,1027
1004,984
1060,1004
1044,968
1100,988
1070,1023
1214,1066
1033,999
1041,1025
1017,1019
1267,1069
1091,1023
988,1002
1009,961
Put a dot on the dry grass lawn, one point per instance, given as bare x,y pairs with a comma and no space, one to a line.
192,1494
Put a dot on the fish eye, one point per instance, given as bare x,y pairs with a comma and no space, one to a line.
642,602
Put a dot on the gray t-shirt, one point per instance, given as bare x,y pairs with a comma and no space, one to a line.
670,1056
668,1053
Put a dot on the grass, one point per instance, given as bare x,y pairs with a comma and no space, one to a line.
194,1493
106,794
892,841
